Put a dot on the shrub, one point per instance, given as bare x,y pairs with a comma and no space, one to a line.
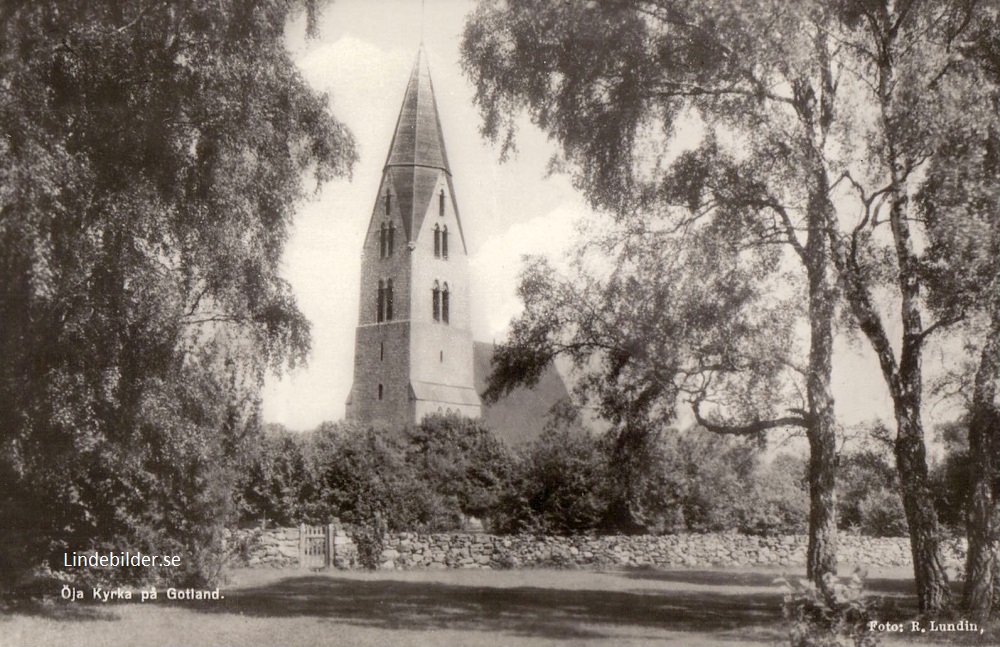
868,496
950,476
882,514
570,482
363,470
559,486
837,619
706,477
278,483
369,537
776,501
461,460
716,483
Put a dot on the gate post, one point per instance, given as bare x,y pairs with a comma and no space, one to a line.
302,545
328,556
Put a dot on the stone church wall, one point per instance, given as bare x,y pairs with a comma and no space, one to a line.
382,357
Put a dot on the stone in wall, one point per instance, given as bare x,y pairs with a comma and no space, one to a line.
277,547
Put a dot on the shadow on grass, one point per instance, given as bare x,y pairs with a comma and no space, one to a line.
894,598
706,578
58,611
544,612
876,586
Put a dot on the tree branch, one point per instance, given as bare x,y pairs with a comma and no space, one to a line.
943,322
786,220
750,429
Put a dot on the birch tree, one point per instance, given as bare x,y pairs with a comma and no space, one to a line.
152,155
605,78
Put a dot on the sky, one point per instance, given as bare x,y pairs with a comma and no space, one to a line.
362,59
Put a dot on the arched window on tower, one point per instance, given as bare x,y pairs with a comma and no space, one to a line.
441,203
444,242
392,239
436,301
437,241
388,300
388,202
381,241
444,303
380,304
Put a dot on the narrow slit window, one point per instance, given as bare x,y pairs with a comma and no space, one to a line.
392,239
445,304
441,356
388,300
441,203
436,302
381,351
437,242
444,242
381,241
388,203
381,391
380,303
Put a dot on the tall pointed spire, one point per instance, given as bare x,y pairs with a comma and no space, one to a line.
418,140
417,154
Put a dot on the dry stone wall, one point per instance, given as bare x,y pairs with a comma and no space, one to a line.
278,547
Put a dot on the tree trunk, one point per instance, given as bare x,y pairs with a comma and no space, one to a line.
918,503
821,555
981,560
981,557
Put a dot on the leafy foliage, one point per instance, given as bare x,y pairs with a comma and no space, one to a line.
722,484
959,201
691,481
279,482
461,460
953,482
744,209
559,486
362,472
836,615
672,318
151,157
869,500
369,537
432,476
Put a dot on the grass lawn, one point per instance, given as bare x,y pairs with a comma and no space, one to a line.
509,608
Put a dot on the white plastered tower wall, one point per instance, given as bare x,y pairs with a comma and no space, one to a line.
441,354
413,364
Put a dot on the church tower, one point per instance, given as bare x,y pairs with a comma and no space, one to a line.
413,352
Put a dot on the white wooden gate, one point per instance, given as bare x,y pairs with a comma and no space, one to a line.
316,546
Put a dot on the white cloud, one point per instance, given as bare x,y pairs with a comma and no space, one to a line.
499,261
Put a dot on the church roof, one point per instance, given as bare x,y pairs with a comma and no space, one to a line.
519,417
444,393
417,153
